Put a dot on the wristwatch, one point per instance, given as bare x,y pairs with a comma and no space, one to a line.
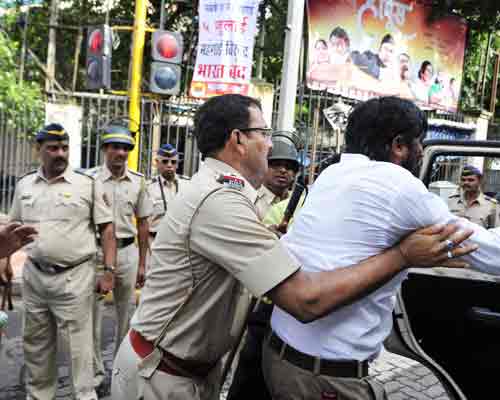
109,268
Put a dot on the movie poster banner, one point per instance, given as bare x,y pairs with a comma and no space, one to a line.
367,48
227,31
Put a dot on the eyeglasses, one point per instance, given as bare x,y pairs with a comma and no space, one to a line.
266,132
173,162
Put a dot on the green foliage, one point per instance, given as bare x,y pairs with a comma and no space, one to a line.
17,100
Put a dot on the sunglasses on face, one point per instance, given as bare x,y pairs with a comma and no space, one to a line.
165,162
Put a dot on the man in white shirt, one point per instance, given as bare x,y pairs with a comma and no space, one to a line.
357,208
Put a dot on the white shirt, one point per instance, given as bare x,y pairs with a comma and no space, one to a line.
357,209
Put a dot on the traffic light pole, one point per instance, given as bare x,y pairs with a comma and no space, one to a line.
135,82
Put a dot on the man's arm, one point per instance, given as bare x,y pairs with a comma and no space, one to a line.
234,239
143,239
311,295
108,240
14,236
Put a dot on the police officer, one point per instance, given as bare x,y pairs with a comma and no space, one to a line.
126,193
166,185
283,166
210,242
58,277
470,202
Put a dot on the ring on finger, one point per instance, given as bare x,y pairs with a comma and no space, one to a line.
449,244
449,254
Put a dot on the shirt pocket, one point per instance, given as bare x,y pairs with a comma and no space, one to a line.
70,208
159,207
28,212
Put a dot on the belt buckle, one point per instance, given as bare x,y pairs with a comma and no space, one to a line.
359,369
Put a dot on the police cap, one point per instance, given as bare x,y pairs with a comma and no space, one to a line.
117,133
471,170
167,150
284,148
52,132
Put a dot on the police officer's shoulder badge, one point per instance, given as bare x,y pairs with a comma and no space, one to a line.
27,174
89,173
494,201
231,181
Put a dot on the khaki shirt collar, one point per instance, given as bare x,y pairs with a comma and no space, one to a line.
266,195
221,168
67,175
480,199
106,173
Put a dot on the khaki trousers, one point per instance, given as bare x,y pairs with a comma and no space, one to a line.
287,381
124,291
127,384
55,305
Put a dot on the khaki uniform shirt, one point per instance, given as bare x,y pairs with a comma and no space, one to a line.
198,295
64,211
266,199
128,197
170,189
483,210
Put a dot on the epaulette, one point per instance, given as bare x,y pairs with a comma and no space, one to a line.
89,173
231,181
136,173
453,195
495,201
27,173
188,178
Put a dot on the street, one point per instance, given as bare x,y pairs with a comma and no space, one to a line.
404,379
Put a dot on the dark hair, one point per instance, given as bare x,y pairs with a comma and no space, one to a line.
340,33
217,117
406,55
374,124
323,41
387,39
423,67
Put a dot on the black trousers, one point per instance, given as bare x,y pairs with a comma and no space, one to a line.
248,380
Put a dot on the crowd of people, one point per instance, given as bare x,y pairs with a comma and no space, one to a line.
198,248
335,62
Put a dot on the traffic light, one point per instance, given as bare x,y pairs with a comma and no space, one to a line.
166,51
99,45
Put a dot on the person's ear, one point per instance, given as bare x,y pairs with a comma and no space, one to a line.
399,150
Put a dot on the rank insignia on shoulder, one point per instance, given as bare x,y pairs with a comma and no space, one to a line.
232,182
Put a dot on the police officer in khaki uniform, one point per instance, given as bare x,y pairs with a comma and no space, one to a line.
58,277
283,166
127,195
209,244
470,202
166,185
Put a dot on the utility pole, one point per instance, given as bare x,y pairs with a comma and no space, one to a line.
261,40
51,51
23,48
291,59
136,78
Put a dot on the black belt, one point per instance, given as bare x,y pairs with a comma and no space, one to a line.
120,243
54,269
317,365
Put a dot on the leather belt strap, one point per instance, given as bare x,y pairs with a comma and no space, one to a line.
120,243
317,365
54,269
169,364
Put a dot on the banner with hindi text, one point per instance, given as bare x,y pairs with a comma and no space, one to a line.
367,48
227,30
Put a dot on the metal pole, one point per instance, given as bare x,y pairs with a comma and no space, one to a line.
261,41
289,79
135,81
51,50
79,40
485,68
23,48
162,14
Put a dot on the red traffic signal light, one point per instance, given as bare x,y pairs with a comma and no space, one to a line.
99,44
167,46
96,41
